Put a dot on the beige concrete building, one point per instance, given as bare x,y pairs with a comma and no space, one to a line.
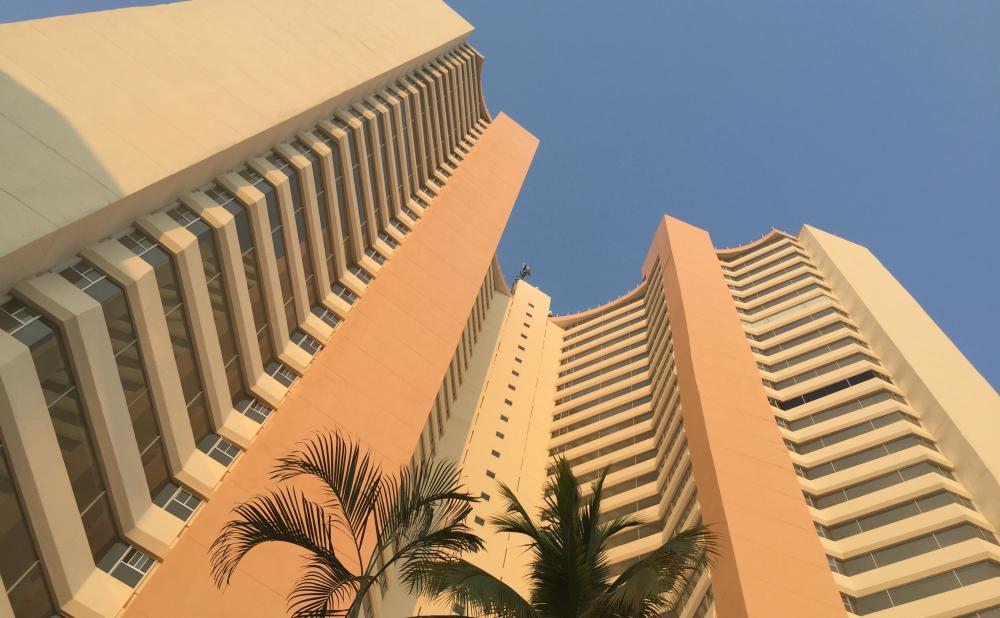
231,223
228,223
788,393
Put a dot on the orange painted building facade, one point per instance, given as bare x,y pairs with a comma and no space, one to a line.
300,235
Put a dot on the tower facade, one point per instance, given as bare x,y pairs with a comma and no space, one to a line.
230,224
788,393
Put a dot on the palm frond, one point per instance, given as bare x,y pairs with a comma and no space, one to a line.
460,582
423,497
317,593
283,516
563,578
350,479
653,583
515,520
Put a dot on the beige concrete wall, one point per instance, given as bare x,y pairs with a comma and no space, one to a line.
958,405
118,159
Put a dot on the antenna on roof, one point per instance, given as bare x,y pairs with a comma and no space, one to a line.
524,273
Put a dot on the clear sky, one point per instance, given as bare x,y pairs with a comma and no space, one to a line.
877,121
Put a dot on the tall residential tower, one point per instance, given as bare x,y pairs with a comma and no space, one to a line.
227,224
230,224
789,393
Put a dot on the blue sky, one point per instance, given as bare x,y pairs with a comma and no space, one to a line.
877,121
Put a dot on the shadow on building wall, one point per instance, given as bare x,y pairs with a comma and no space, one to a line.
48,174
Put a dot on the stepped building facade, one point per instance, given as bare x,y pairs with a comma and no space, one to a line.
229,224
233,223
789,393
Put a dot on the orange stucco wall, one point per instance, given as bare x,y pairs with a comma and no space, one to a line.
771,563
376,379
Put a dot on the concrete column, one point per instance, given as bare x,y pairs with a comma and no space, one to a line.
380,191
461,101
311,212
392,173
314,238
264,386
331,206
435,131
412,142
395,118
289,228
771,562
188,465
367,183
88,344
260,227
45,491
465,111
356,247
340,252
6,611
448,91
424,136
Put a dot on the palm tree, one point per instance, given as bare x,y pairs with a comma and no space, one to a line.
389,520
569,575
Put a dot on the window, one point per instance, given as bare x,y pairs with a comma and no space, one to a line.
28,588
508,402
479,521
219,449
491,474
512,387
389,240
828,390
523,336
531,305
360,273
126,563
515,374
253,409
504,418
485,496
909,549
328,317
518,359
526,325
528,314
177,501
281,373
500,435
306,342
495,453
349,296
923,588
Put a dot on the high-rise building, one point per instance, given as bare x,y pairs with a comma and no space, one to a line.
788,393
227,224
230,224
